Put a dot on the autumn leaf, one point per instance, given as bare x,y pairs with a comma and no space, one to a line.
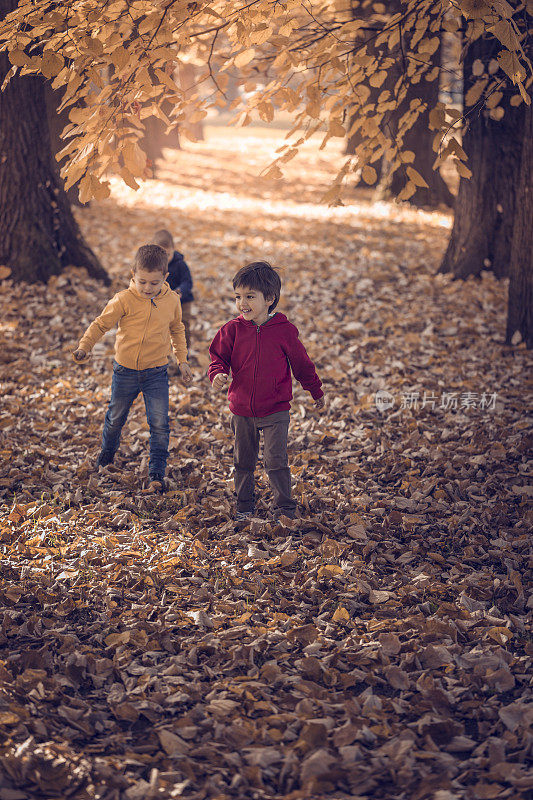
369,174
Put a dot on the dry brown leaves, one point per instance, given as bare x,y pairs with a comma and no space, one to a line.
378,647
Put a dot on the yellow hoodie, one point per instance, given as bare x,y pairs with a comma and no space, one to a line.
146,328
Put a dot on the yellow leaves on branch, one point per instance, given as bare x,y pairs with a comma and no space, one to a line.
407,192
505,32
475,91
437,117
462,169
369,174
51,64
474,9
91,187
415,177
244,58
134,158
116,69
378,79
511,64
18,57
336,129
120,58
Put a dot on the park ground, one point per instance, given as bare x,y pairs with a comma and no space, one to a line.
377,647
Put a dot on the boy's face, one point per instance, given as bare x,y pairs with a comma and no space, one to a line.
252,304
148,284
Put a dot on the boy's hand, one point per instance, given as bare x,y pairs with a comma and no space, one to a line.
219,381
186,373
320,403
79,355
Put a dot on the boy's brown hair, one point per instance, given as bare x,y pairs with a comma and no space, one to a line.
164,239
152,258
261,277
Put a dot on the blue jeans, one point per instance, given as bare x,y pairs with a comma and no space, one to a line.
126,385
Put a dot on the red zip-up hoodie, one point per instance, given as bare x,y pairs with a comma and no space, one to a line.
260,359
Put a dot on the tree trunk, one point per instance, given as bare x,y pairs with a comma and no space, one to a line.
354,140
155,139
520,308
419,140
40,236
485,207
352,143
56,123
188,76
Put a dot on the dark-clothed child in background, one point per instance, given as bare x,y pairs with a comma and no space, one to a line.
260,348
179,278
148,315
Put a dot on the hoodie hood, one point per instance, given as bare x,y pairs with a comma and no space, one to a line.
277,319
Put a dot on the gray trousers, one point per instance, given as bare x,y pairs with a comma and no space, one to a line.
275,429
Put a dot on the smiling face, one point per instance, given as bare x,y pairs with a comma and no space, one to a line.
148,282
252,304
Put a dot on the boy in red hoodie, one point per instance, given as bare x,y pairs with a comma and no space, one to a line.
261,347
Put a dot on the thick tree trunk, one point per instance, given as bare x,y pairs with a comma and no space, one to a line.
419,140
354,140
56,123
352,143
520,308
40,236
155,139
485,206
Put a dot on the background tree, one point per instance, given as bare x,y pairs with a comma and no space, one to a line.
492,223
486,203
520,309
40,236
156,137
57,121
188,77
418,139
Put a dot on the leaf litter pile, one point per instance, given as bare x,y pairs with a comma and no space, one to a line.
377,647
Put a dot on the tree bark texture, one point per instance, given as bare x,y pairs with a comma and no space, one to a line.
485,206
39,235
520,308
155,139
353,141
56,123
419,140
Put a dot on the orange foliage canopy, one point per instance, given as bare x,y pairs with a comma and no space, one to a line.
320,61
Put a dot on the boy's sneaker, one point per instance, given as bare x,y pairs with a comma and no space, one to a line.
104,459
156,482
284,518
242,516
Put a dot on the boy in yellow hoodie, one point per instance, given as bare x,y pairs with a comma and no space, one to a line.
148,315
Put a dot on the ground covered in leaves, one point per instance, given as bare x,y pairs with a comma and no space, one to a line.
378,646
